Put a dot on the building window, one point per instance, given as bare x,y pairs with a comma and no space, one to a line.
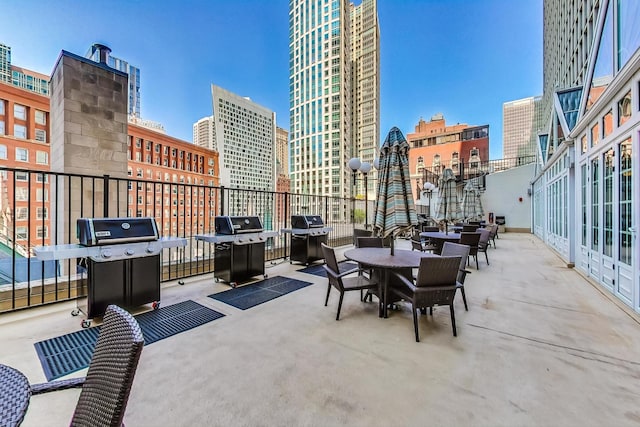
22,176
41,117
138,142
42,158
607,122
42,213
22,214
595,134
1,107
22,155
41,135
22,194
148,145
42,195
42,232
1,126
19,112
22,233
624,109
20,131
3,152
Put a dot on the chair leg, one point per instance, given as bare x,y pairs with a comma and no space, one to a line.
326,301
453,320
486,256
477,266
464,299
339,305
415,321
431,311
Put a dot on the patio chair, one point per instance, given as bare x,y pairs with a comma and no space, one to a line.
436,284
368,242
469,228
456,249
340,281
471,239
494,233
105,389
483,243
358,232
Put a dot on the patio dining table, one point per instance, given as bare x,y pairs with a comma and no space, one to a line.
382,260
15,394
439,238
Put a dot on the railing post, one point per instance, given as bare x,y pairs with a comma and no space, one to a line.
222,200
105,197
286,216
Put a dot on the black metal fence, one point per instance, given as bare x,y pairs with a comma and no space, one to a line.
41,208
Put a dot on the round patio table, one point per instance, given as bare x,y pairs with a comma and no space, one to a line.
381,258
15,393
439,238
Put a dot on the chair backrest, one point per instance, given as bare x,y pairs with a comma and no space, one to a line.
369,242
358,232
470,239
438,271
430,229
330,258
494,230
456,249
469,228
105,392
485,235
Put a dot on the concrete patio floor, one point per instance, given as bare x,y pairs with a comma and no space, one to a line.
540,346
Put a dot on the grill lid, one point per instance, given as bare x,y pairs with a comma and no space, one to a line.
237,224
106,231
306,221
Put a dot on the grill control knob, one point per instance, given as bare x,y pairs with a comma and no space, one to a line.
250,239
106,253
149,250
129,252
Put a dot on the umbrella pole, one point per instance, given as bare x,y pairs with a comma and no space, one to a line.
392,239
446,202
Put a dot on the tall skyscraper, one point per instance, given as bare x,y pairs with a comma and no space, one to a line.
245,135
21,77
568,36
334,92
94,53
204,133
520,128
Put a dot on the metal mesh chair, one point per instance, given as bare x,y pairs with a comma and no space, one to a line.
340,281
471,239
456,249
105,389
435,285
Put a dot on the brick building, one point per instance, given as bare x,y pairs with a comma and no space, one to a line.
435,146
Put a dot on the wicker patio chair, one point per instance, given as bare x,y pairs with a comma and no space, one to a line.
483,243
494,233
340,281
469,228
456,249
358,232
471,239
105,389
435,285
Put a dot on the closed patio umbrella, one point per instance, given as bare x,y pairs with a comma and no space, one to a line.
448,204
395,211
471,203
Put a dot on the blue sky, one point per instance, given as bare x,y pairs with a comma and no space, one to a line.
463,58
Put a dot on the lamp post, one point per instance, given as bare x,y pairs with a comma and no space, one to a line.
355,164
428,189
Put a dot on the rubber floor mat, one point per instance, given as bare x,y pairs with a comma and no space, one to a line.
253,294
318,270
68,353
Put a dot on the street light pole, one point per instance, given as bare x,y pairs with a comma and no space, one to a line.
365,167
428,188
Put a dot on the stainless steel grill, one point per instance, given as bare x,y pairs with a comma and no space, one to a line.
121,258
239,247
308,232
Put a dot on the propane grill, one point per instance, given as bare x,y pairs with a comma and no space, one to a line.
239,247
307,234
121,257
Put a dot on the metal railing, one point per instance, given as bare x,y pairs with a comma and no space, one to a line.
41,208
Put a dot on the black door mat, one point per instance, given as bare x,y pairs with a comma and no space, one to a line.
71,352
253,294
318,270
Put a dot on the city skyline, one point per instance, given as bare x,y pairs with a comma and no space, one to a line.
463,59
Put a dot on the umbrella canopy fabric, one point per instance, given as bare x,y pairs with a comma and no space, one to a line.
471,203
448,204
395,211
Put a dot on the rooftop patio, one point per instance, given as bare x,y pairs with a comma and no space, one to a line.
540,345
